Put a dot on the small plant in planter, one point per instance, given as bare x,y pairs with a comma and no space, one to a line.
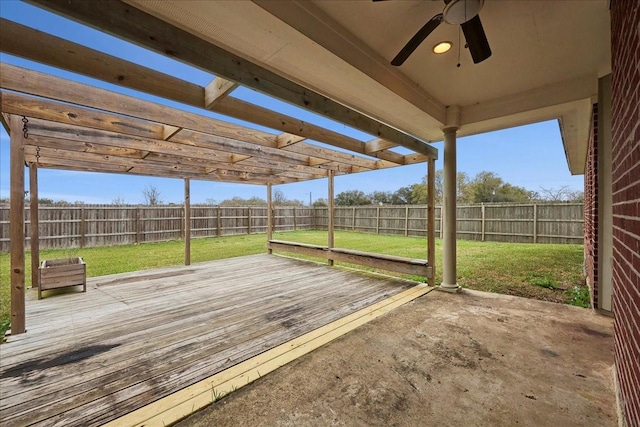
60,273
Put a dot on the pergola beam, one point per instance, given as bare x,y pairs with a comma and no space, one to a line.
378,144
217,90
223,176
42,85
81,149
29,43
116,18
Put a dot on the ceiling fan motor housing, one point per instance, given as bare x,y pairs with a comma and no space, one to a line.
458,12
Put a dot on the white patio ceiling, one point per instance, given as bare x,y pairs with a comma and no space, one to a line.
547,57
324,55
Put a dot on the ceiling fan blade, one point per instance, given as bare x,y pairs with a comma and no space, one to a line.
476,39
418,38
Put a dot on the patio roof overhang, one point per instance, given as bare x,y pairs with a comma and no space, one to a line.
320,55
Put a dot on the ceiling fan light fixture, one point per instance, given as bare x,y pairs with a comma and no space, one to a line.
442,47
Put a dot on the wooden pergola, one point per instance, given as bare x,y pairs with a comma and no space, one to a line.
62,124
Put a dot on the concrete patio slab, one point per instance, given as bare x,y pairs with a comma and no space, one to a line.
467,359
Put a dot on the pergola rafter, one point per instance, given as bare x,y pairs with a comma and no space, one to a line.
32,44
83,113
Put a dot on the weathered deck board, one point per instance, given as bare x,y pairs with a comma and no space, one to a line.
133,338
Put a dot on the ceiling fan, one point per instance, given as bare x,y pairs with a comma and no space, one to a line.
456,12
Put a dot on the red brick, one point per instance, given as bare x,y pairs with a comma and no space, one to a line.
625,84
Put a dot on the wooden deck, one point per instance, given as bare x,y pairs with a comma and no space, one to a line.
131,339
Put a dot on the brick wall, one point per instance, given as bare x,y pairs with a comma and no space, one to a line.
591,210
625,50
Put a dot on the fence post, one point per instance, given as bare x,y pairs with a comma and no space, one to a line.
218,223
406,220
535,223
353,219
378,220
83,229
312,212
138,228
482,209
182,226
295,222
249,220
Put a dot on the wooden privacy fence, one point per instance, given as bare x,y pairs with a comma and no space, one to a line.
519,223
106,225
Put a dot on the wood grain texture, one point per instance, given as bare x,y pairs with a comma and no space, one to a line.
115,17
16,228
34,225
36,45
140,129
81,365
187,222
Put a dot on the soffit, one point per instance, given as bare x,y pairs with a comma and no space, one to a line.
550,52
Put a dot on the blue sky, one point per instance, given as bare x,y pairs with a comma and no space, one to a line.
529,156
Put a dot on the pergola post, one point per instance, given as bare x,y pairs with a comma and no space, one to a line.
269,216
34,225
449,229
187,222
331,222
431,219
16,229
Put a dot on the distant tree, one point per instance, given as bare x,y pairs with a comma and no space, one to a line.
384,197
402,196
45,201
561,194
279,198
418,193
211,202
488,187
577,196
439,184
462,188
319,203
352,198
151,195
118,201
255,201
239,201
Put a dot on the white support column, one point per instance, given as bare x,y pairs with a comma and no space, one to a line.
431,220
605,200
449,282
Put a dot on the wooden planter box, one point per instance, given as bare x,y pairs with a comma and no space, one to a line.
60,273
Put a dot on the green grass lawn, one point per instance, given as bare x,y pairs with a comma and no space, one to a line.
545,272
